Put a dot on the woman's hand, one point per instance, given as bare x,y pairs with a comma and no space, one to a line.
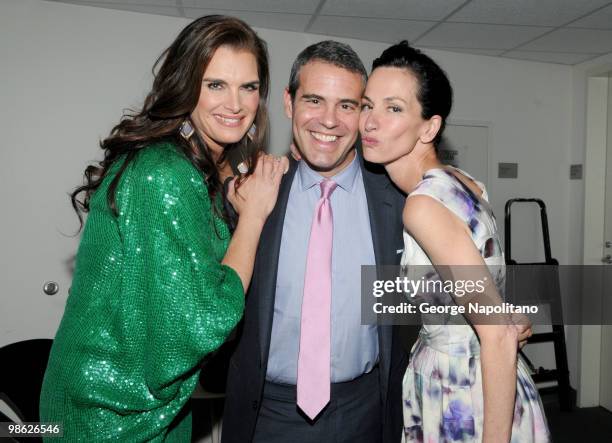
256,196
523,328
295,152
253,201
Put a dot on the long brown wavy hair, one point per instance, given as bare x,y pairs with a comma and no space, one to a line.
174,95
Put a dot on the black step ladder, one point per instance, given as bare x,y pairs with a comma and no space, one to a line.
561,373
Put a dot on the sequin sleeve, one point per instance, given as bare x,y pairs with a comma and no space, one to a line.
174,245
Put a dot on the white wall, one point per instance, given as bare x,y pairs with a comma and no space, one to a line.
67,71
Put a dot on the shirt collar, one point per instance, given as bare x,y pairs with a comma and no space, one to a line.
344,179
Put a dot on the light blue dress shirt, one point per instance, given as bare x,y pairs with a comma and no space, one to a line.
354,347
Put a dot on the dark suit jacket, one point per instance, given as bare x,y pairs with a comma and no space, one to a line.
248,365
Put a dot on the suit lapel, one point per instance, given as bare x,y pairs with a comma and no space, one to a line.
383,224
381,212
267,261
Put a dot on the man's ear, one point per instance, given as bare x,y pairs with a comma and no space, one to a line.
288,103
431,129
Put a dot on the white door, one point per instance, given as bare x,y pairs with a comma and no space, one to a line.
605,386
41,160
59,95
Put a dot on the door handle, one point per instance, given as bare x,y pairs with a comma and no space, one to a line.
50,288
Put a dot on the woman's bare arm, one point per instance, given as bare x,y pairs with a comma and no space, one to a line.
447,241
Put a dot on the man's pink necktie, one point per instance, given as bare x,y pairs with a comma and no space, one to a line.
313,376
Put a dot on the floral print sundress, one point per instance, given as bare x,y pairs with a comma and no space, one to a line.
442,387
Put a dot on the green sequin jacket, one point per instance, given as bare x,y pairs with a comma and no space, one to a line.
149,300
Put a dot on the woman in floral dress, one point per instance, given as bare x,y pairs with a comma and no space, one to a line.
465,382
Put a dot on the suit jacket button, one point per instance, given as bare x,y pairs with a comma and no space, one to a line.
255,404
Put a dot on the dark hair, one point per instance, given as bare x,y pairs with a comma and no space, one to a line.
328,51
174,95
435,93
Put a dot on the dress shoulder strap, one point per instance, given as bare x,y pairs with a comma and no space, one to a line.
444,187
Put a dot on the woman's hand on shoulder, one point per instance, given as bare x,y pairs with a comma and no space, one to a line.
256,196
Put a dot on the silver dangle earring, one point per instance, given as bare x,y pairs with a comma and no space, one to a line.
186,130
242,168
251,132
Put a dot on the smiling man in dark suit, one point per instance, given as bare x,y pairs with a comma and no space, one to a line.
306,369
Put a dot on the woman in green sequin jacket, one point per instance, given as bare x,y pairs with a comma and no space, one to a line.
159,283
